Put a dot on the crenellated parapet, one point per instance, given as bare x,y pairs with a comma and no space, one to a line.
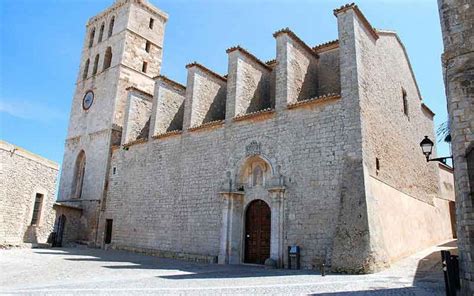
205,96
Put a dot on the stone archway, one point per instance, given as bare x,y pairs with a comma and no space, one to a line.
255,179
257,232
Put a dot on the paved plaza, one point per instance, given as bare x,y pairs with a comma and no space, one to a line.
83,271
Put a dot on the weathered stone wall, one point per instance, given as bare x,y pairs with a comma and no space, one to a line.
298,66
138,115
168,107
205,97
23,175
96,129
329,79
248,84
180,210
457,24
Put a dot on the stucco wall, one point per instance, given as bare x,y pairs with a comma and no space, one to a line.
23,175
406,224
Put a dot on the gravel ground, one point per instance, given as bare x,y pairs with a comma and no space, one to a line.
83,271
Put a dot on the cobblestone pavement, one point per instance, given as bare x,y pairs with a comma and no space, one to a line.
82,271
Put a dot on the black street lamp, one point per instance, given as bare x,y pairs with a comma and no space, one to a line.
427,147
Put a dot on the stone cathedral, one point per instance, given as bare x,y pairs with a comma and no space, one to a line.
318,148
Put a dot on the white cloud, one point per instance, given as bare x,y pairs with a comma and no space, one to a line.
31,111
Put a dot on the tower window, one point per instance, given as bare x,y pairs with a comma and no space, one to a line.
37,209
147,46
107,58
79,171
101,32
96,65
152,22
91,38
144,67
405,102
86,69
111,26
377,164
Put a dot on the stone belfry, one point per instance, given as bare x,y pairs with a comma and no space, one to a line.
122,50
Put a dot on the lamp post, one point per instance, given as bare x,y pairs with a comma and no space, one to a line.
427,146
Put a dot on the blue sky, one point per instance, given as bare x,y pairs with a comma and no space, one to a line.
41,41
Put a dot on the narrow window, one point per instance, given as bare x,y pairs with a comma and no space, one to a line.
107,58
114,170
101,32
108,231
96,64
144,66
86,69
111,26
91,38
405,102
37,209
377,164
147,46
152,22
79,172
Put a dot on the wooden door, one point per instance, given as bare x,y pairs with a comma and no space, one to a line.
257,232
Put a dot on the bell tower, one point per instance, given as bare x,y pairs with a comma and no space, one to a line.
122,48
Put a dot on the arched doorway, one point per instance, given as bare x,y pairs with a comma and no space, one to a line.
257,232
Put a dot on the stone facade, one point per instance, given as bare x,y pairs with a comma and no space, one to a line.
457,24
302,133
24,178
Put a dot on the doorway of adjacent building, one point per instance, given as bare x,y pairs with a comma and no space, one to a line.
257,232
108,231
58,240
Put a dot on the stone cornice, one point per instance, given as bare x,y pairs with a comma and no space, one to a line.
253,115
211,124
170,82
360,15
118,4
167,134
206,70
249,55
142,92
427,109
326,46
295,38
16,150
135,142
315,100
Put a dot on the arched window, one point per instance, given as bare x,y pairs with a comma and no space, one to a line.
107,58
86,69
91,38
405,102
101,32
96,64
111,26
257,176
79,171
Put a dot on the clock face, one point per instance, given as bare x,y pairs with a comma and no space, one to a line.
88,100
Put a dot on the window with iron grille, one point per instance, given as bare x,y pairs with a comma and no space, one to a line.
37,209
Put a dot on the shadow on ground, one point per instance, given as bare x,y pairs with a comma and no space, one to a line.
192,270
428,276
